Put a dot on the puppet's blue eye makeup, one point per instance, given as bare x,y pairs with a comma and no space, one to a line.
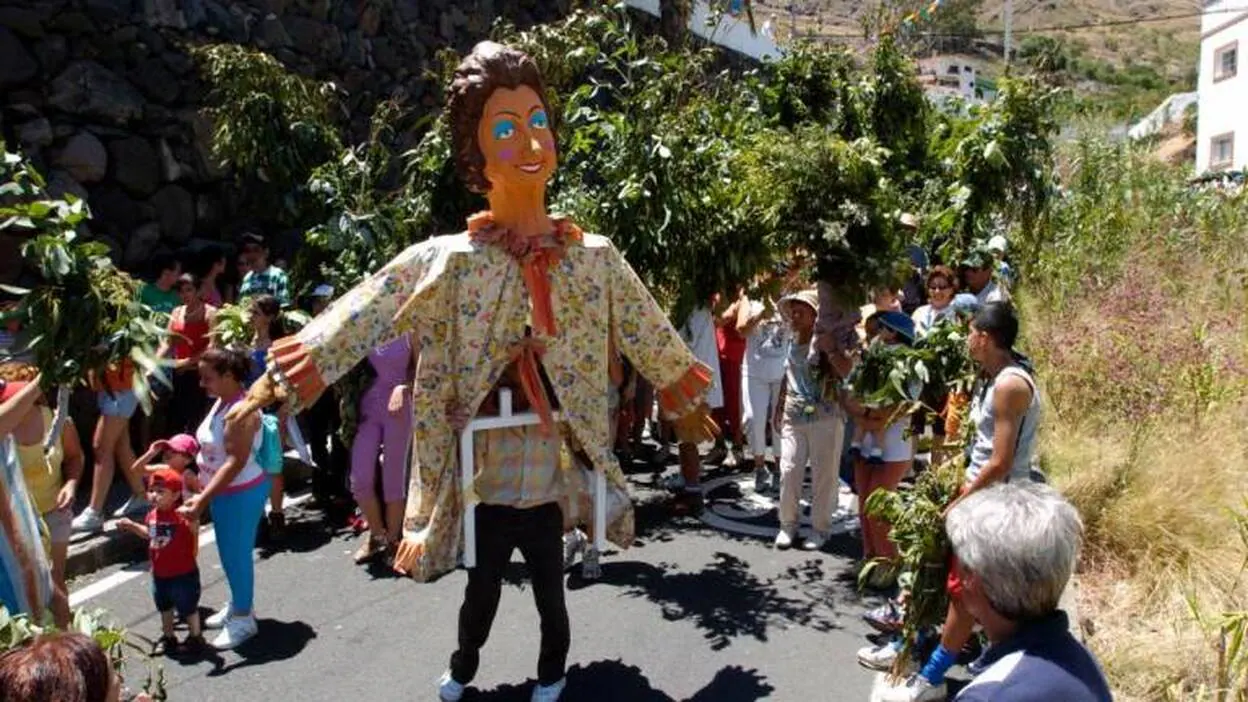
539,120
504,129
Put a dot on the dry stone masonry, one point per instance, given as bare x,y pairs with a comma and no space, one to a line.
104,98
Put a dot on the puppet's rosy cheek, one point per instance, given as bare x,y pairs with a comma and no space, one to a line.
507,154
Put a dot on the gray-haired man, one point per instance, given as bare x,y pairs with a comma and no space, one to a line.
1016,545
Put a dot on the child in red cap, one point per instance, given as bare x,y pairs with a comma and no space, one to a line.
173,544
178,453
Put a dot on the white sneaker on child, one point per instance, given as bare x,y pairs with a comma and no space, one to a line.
237,630
448,689
549,693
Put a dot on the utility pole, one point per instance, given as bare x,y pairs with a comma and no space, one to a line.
1009,29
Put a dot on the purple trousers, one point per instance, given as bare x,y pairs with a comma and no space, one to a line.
381,434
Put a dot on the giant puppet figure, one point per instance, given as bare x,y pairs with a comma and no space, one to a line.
521,299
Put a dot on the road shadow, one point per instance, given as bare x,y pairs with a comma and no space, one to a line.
725,600
616,681
305,533
275,641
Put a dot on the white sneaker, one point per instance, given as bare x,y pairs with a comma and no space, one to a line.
448,689
218,620
88,520
237,630
815,541
133,506
784,539
549,693
732,460
879,657
574,544
916,688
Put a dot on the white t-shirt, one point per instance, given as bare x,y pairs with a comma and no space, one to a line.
699,333
766,347
927,316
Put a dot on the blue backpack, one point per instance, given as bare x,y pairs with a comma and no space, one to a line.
269,455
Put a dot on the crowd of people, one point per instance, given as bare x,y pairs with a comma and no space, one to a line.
445,334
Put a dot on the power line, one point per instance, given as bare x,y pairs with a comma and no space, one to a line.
1123,22
1054,28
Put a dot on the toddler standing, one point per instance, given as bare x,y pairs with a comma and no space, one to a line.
173,544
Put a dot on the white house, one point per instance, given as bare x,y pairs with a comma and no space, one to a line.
729,30
1222,132
953,72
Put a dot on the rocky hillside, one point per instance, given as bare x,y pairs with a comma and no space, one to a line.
1170,46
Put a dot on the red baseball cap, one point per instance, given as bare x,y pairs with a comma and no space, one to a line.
181,443
167,479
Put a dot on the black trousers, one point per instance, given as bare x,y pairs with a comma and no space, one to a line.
538,533
321,422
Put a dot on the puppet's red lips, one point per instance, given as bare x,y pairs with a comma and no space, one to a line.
531,168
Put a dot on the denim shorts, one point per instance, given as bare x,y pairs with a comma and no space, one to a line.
180,593
122,403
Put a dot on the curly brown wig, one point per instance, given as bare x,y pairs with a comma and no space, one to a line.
489,67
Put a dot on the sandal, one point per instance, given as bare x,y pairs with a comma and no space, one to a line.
165,645
370,549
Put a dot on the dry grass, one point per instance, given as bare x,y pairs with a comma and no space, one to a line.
1143,354
1157,505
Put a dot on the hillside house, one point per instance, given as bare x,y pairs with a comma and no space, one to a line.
1222,131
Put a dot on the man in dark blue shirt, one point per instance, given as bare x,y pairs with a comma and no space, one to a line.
1016,545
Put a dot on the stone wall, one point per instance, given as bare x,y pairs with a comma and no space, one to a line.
103,97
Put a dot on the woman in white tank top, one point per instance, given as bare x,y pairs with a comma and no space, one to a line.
236,487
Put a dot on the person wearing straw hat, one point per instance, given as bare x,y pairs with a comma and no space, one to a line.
810,425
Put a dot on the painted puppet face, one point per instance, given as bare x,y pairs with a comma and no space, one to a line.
516,139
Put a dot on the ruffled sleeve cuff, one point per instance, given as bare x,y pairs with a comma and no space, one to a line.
292,367
684,395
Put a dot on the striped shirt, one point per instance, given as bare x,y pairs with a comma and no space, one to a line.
270,281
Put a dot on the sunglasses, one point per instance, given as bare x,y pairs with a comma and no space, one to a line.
938,288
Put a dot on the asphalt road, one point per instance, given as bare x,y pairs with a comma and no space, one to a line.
692,612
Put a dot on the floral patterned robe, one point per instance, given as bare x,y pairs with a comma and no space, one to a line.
468,305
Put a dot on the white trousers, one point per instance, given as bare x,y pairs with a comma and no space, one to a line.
758,403
819,442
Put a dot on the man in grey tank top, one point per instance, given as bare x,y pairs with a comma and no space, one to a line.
1005,413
